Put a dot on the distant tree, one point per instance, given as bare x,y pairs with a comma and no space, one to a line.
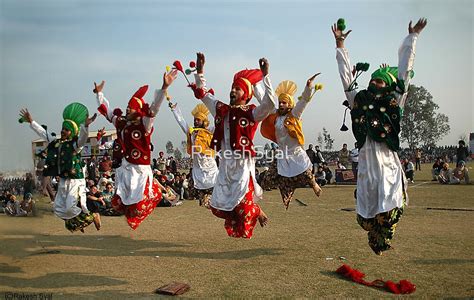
177,154
421,125
320,140
328,141
169,148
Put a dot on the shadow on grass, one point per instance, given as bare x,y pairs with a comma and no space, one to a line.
115,246
6,268
446,261
60,280
333,274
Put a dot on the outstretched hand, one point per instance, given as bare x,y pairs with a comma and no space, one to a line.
168,78
200,61
25,114
101,132
339,34
264,65
90,120
310,80
98,88
419,26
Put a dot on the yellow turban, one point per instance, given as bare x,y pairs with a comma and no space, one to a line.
285,91
201,112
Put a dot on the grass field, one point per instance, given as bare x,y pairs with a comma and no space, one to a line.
295,256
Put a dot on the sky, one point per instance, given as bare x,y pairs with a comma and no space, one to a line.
51,52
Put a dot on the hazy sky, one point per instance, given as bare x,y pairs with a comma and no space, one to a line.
51,52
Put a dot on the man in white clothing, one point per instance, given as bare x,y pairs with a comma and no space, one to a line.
375,113
236,188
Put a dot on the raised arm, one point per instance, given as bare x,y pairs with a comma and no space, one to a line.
179,117
103,104
84,133
267,105
25,115
343,62
406,56
158,98
209,99
297,111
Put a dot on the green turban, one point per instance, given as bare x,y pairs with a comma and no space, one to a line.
74,115
389,75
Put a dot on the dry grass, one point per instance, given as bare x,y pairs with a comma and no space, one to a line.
294,257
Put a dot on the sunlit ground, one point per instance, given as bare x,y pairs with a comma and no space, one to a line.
295,256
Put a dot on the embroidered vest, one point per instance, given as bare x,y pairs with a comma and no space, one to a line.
63,161
292,124
202,141
117,153
241,124
136,142
377,117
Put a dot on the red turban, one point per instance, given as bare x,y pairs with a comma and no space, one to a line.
245,79
137,103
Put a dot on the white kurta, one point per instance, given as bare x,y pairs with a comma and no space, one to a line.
70,191
204,166
235,169
292,159
131,179
380,177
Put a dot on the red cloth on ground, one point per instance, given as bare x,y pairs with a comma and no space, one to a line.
241,221
403,287
137,212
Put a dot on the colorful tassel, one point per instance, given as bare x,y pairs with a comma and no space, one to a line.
403,287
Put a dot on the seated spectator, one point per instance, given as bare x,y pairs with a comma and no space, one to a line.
13,207
445,174
340,166
107,194
328,172
320,176
178,186
5,197
105,165
28,204
185,187
95,202
169,175
437,166
409,170
460,173
170,197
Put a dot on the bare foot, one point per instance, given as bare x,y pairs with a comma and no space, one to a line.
262,218
317,190
286,203
97,222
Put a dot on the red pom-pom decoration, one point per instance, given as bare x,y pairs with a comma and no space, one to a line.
403,287
192,64
117,112
178,66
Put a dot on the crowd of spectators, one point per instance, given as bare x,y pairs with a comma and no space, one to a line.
173,175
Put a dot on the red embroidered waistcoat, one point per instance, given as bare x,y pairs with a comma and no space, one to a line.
135,141
241,124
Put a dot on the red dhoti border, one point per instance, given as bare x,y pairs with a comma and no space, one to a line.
241,221
137,212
